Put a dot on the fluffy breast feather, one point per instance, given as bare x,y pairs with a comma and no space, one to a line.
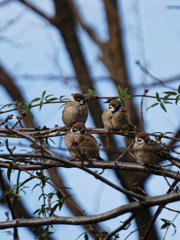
74,112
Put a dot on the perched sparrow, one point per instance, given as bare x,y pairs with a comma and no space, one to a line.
80,144
115,116
149,152
75,110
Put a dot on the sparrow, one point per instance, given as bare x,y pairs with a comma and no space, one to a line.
80,144
75,110
115,116
150,152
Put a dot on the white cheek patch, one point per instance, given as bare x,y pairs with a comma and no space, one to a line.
111,109
72,99
140,143
81,102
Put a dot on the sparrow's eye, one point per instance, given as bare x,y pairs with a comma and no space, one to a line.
76,130
110,107
83,130
80,99
140,140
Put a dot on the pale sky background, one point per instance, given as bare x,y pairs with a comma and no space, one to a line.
152,36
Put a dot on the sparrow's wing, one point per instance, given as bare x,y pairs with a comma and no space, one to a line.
88,145
157,148
74,113
69,107
128,118
122,119
88,140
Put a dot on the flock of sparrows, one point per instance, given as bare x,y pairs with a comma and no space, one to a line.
82,145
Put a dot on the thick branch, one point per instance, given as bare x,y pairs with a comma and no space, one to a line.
148,202
123,166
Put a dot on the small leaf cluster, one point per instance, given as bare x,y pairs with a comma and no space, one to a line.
91,93
122,94
43,99
46,99
48,208
167,223
15,103
162,101
98,235
46,233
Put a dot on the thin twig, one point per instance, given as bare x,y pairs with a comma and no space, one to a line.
18,121
123,190
61,162
141,115
81,220
9,204
158,211
122,227
61,131
6,119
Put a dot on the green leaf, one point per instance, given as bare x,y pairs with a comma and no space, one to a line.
9,105
170,93
166,97
158,97
79,236
166,223
43,94
31,114
35,100
125,91
90,93
36,185
51,99
52,141
6,105
167,102
177,99
36,211
163,106
86,236
119,90
9,171
174,226
49,95
27,180
40,104
62,98
169,133
153,105
179,89
53,209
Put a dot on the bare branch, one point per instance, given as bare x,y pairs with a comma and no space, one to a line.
122,227
60,162
158,211
61,131
148,202
36,10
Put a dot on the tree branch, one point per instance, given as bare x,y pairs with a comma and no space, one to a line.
123,166
148,202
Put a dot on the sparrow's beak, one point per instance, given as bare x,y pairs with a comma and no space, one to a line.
82,102
122,109
83,130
